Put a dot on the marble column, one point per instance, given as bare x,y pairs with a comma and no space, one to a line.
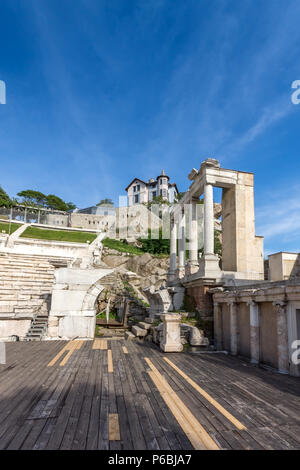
173,250
193,237
233,328
218,326
208,220
254,332
181,254
282,337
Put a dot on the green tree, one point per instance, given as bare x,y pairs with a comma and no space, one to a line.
70,206
56,203
5,200
33,198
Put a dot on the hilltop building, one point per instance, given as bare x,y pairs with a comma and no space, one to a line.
139,191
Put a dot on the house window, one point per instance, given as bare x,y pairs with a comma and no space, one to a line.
164,192
153,194
136,199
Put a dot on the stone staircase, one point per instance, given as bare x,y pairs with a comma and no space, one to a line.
37,329
140,330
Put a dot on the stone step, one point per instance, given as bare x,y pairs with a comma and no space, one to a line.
128,335
144,325
139,332
150,320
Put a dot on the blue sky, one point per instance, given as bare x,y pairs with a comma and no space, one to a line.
102,91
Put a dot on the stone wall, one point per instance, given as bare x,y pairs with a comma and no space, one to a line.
260,322
26,284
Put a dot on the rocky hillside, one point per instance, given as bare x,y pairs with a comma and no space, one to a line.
150,269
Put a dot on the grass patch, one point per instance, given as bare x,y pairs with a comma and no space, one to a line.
5,227
102,316
121,246
58,235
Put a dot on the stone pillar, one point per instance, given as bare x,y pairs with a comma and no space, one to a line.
218,326
282,337
254,332
171,341
208,220
193,238
233,328
181,255
173,251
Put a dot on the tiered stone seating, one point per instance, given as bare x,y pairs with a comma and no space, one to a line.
26,283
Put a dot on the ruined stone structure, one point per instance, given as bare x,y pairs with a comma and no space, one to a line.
254,318
260,322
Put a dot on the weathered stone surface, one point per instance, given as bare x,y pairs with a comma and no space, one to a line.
128,335
139,332
171,341
144,325
194,335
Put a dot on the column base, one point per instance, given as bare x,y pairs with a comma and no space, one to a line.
209,266
171,276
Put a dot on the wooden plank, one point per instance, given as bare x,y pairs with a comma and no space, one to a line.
125,434
176,438
59,355
199,438
211,400
114,427
100,344
110,365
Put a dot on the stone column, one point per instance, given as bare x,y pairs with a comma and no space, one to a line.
173,250
282,337
193,238
171,341
233,328
218,326
208,220
254,332
181,255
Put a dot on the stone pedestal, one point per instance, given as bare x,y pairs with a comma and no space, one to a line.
171,341
209,267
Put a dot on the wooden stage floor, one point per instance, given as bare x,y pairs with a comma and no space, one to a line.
116,394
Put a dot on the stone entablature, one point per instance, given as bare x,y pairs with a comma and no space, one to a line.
261,322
